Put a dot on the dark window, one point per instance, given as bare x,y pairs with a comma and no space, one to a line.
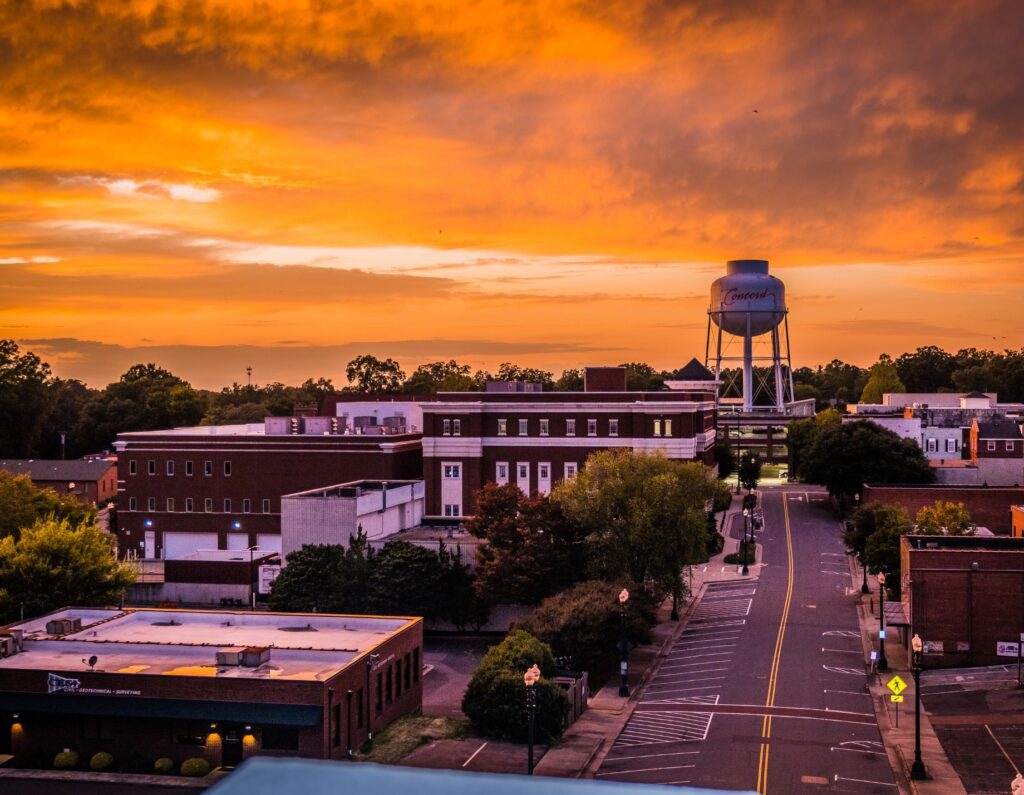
188,468
97,729
133,467
227,505
151,464
207,467
398,677
170,469
131,503
266,506
416,665
189,732
380,693
227,469
276,738
151,504
336,725
359,709
408,671
246,506
188,505
389,693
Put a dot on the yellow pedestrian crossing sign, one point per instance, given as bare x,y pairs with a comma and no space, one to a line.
896,685
896,699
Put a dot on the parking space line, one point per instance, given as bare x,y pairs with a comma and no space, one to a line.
473,756
651,756
644,770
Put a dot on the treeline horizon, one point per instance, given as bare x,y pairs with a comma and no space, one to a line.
36,407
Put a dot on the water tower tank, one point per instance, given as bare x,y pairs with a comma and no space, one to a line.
745,291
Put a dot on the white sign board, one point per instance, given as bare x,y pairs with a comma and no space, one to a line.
1006,649
267,576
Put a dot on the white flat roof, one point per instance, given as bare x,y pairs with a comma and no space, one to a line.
185,642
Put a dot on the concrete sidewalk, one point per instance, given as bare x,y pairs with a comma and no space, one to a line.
587,742
899,740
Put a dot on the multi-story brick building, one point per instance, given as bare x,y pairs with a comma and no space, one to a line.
220,487
92,480
535,439
219,685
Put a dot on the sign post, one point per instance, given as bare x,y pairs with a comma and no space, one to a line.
896,685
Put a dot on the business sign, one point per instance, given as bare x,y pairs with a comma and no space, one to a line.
933,647
65,684
1004,649
267,576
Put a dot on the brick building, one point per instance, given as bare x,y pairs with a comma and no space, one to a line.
92,480
964,596
988,506
220,685
535,439
220,487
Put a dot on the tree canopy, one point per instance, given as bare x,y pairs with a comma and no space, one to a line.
22,504
883,378
24,400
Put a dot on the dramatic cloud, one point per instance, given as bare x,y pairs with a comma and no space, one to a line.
517,167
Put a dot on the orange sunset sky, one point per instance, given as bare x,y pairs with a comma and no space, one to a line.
209,186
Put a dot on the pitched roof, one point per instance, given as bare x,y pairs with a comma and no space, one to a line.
975,394
693,371
41,469
998,429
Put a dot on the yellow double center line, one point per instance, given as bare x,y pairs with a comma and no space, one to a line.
773,677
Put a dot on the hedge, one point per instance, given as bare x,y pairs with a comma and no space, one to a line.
195,767
163,765
101,761
66,760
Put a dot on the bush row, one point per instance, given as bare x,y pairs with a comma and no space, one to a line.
194,767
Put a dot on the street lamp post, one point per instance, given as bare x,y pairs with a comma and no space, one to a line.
917,770
883,664
252,590
746,518
864,585
737,456
623,648
530,679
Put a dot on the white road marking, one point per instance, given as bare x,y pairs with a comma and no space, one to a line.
643,770
651,756
841,633
858,751
473,756
843,651
848,692
848,671
839,778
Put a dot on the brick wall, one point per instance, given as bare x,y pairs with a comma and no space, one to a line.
989,507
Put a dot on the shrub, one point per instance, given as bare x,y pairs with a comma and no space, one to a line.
195,767
101,761
584,622
163,765
66,760
495,701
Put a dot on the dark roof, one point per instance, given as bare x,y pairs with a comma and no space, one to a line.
998,429
41,469
693,371
975,394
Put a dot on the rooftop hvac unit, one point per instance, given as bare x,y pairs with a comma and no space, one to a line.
10,643
230,656
255,656
63,626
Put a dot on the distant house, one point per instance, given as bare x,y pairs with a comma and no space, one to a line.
93,481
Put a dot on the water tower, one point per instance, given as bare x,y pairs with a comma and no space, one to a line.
747,304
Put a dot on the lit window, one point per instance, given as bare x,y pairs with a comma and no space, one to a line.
545,427
188,505
208,505
133,467
591,427
524,427
452,471
152,466
266,506
657,427
668,427
227,469
131,503
570,470
246,506
456,427
570,427
170,469
208,468
188,468
613,427
170,505
446,428
502,427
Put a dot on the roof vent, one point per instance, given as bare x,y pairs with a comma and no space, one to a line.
63,626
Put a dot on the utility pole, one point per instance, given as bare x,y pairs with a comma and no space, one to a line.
248,372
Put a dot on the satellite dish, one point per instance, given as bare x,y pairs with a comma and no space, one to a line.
92,662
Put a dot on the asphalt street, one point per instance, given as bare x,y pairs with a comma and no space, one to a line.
766,688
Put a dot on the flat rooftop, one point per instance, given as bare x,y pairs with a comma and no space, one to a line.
185,642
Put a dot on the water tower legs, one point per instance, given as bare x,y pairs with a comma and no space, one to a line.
748,367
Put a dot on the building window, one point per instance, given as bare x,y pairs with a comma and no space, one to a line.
398,677
524,472
246,506
416,665
613,427
207,468
501,473
170,469
188,468
266,506
227,505
188,505
208,505
151,466
456,427
359,708
170,505
189,732
452,471
1009,446
279,738
446,428
151,504
570,427
380,693
227,469
933,445
131,504
452,510
657,427
336,725
545,427
570,470
133,467
591,427
502,427
408,671
543,471
524,427
668,427
991,447
389,692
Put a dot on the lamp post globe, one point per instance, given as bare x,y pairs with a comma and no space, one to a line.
883,663
746,521
623,647
917,770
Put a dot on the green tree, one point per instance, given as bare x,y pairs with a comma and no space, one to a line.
457,591
314,390
882,548
750,470
55,563
24,400
67,399
725,457
800,435
406,579
434,377
944,518
642,377
531,550
312,581
22,504
928,369
866,520
508,371
644,515
843,458
570,381
371,375
882,378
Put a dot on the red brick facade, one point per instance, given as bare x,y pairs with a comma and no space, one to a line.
988,506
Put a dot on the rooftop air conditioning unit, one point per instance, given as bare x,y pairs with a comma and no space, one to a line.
255,656
230,656
63,626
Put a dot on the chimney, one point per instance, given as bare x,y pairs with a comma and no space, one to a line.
604,379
